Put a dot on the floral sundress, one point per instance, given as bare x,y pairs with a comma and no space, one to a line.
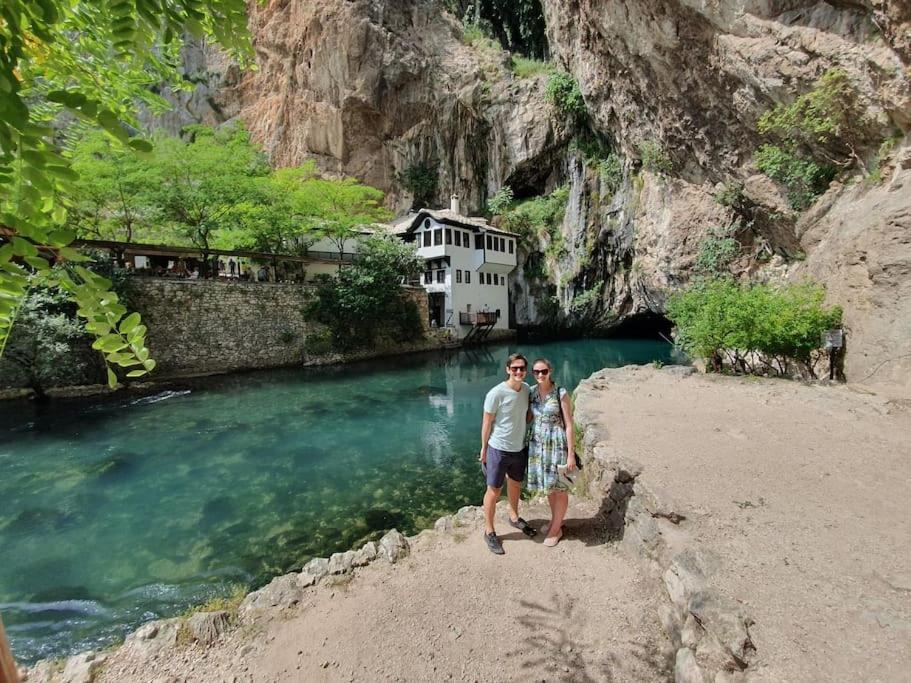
547,441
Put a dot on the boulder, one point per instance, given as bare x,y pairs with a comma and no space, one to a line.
394,546
81,668
686,670
282,591
687,574
150,639
725,621
365,555
205,627
341,563
468,515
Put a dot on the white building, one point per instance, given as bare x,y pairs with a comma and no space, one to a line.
467,264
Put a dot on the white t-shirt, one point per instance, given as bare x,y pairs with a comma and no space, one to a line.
509,408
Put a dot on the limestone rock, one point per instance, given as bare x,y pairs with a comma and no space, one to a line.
206,627
444,524
152,638
726,621
81,668
691,633
341,563
314,570
672,624
394,546
687,574
686,670
468,515
282,591
365,555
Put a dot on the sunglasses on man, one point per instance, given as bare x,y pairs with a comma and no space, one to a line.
518,368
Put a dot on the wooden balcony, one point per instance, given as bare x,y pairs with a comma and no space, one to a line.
478,319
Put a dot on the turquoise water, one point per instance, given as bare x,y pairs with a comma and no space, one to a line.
116,512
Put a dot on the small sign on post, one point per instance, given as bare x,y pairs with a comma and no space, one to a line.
832,341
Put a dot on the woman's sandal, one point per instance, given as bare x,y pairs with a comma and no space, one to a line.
551,541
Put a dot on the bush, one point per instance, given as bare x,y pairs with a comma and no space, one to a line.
654,158
501,201
804,180
752,325
366,300
563,92
717,250
820,132
611,172
421,181
731,195
539,216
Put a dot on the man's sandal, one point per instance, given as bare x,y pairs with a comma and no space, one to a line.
523,526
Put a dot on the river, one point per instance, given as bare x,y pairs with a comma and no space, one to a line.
121,510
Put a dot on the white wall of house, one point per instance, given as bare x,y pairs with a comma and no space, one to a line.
474,280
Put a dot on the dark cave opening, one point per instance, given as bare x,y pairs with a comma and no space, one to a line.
647,325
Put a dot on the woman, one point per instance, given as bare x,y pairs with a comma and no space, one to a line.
550,447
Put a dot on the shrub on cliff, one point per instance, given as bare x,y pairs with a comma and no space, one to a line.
811,139
563,92
757,328
365,301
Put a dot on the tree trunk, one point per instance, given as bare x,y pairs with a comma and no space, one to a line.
8,671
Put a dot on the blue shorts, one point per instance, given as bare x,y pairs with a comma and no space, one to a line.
503,463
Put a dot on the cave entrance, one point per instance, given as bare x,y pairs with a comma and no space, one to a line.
647,325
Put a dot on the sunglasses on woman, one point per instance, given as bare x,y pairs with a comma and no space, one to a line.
545,371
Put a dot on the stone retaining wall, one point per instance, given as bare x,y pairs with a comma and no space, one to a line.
199,327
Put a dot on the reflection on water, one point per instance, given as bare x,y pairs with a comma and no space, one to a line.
118,511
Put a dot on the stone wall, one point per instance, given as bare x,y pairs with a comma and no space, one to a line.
203,326
199,327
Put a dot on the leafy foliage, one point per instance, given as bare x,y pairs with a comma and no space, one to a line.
200,183
719,318
654,158
585,303
563,92
717,250
366,300
95,60
611,172
421,180
804,179
539,217
47,329
501,201
820,132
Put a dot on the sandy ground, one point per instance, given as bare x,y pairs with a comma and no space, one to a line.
804,491
582,611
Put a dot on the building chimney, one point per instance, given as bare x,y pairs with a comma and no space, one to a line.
454,204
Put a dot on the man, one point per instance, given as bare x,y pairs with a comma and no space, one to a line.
503,455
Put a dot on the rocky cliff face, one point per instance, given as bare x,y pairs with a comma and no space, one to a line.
370,88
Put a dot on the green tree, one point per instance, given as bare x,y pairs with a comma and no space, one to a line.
366,300
96,60
338,209
204,181
111,197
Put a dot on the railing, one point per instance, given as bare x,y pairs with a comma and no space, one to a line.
332,256
479,318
